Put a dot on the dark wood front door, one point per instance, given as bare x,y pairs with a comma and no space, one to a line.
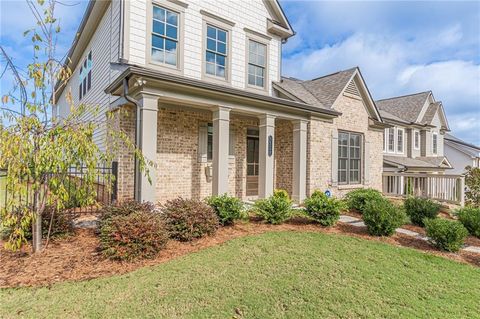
252,162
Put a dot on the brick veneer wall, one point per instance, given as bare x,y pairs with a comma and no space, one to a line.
283,155
319,146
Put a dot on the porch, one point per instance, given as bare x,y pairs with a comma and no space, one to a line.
443,188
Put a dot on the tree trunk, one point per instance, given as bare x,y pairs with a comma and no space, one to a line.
37,226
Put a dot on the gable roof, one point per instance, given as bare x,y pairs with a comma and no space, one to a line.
462,146
280,19
325,90
407,107
430,162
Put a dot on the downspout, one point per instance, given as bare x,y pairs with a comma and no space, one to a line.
138,141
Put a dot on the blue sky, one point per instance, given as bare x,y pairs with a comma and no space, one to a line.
401,47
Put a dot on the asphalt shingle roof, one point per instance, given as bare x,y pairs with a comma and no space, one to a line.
430,113
423,162
322,91
406,107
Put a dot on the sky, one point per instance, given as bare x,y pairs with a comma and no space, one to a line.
401,47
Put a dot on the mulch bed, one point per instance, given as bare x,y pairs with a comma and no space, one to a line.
77,258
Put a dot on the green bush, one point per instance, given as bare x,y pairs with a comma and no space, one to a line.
137,235
358,198
188,219
418,209
131,230
227,208
382,217
276,209
323,209
470,218
445,234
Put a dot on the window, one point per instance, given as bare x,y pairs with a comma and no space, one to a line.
231,148
434,143
256,63
164,36
349,158
216,52
85,76
416,140
400,140
391,139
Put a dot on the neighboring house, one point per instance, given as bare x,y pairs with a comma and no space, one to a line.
415,142
461,154
197,85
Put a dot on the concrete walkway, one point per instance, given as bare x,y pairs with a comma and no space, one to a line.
357,222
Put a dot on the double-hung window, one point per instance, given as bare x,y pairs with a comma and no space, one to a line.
349,158
391,139
216,54
85,76
256,63
416,140
164,36
400,140
434,143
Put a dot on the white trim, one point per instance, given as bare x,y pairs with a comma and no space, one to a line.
398,130
435,137
416,147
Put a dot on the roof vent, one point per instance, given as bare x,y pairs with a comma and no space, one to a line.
352,89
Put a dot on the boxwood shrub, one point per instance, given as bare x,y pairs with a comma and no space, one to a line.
445,234
358,198
470,218
418,209
323,209
131,230
382,217
189,219
276,209
227,208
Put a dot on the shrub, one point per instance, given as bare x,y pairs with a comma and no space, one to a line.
125,209
227,208
446,234
188,219
382,217
276,209
323,209
358,198
472,183
136,235
470,218
418,209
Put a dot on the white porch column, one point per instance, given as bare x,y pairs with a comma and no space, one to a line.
147,143
266,155
221,136
299,161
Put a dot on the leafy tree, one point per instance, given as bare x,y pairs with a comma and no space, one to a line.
472,183
37,149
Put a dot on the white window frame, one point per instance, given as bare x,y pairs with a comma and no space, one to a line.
264,40
434,143
85,76
397,135
416,146
180,11
388,140
349,158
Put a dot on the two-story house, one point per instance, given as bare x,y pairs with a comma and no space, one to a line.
415,142
197,85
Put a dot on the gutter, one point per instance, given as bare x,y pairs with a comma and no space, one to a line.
157,75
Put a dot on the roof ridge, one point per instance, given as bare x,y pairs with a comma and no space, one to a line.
334,73
400,96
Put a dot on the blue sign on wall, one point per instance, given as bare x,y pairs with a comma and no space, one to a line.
270,145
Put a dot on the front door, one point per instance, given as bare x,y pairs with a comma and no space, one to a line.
252,162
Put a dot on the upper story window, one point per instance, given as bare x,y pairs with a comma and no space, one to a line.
434,143
85,76
349,157
164,36
391,140
256,63
416,140
216,54
400,133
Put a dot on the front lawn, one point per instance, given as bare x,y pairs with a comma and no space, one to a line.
272,275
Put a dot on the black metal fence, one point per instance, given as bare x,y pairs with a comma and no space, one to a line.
104,189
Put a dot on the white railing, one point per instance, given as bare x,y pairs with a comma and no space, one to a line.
443,188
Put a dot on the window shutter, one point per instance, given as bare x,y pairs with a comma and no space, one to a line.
231,142
202,142
334,158
366,165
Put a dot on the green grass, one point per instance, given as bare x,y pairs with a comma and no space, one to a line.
273,275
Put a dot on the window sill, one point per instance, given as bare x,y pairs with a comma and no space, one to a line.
350,186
